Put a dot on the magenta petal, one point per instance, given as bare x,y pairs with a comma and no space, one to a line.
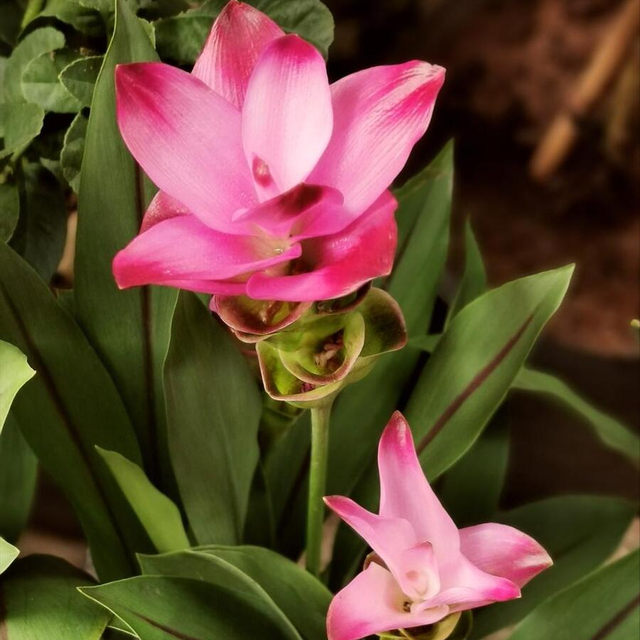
305,211
186,138
219,287
406,493
504,551
372,604
338,264
287,116
379,114
183,248
238,37
162,207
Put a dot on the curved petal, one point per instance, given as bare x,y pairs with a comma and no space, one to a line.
238,37
406,493
162,207
220,287
186,138
504,551
372,603
287,117
305,211
379,114
338,264
183,248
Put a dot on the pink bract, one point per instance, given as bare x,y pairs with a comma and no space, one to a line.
273,182
424,567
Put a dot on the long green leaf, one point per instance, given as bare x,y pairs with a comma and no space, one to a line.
213,409
67,408
579,532
158,515
611,432
603,606
14,372
39,599
217,571
164,608
129,329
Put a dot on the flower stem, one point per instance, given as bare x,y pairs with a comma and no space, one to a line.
317,482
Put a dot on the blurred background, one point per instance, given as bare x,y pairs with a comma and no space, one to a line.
543,100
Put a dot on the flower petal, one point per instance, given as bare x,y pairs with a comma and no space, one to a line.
287,117
183,248
504,551
186,138
238,37
162,207
379,114
372,603
305,211
406,493
338,264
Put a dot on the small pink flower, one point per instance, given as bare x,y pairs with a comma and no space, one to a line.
273,183
425,568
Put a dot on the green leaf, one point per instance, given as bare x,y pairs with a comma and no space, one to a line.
158,515
302,598
474,278
41,84
39,600
129,329
602,606
76,13
9,210
79,78
18,472
23,122
612,433
163,608
73,150
213,409
15,373
69,406
471,489
181,38
31,47
199,565
42,229
579,532
8,553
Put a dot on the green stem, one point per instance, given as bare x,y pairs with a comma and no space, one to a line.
317,482
34,7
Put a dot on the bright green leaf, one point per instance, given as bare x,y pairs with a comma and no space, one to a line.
14,372
73,150
41,84
8,553
68,407
79,78
39,599
166,608
129,329
158,515
213,409
604,605
612,433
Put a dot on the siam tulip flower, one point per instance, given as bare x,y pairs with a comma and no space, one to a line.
273,182
424,568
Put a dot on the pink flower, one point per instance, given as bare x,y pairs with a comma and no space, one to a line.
273,183
425,568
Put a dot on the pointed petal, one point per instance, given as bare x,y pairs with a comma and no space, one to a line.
504,551
372,604
305,211
338,264
186,138
287,116
406,493
162,207
183,248
379,114
238,37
